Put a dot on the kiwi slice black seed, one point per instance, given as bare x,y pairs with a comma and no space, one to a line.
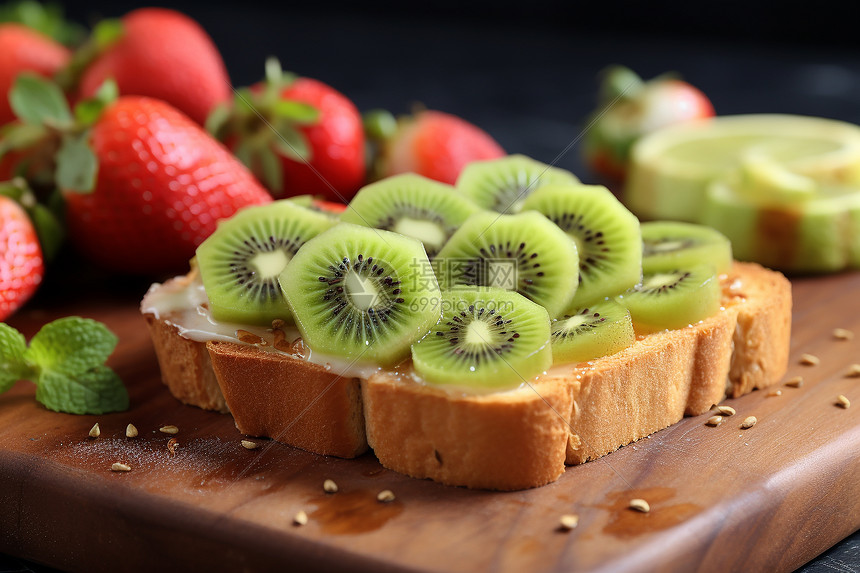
241,261
606,234
671,245
362,294
486,339
673,299
526,253
602,329
503,184
411,205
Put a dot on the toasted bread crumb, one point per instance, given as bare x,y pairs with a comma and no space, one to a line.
795,382
640,505
726,411
842,334
853,371
809,360
773,393
249,445
131,431
714,421
329,486
120,467
568,521
248,337
843,401
171,446
749,422
301,518
95,431
385,496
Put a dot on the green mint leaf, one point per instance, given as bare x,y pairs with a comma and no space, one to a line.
271,169
77,165
13,367
297,112
71,346
291,143
95,391
38,101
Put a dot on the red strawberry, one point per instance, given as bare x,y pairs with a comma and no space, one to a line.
162,185
22,49
631,108
165,55
436,145
312,140
21,265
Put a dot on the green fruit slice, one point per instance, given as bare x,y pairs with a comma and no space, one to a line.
606,235
503,184
673,299
671,168
240,262
601,329
411,205
362,294
486,339
526,253
670,245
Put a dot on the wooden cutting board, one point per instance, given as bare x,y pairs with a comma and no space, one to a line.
768,498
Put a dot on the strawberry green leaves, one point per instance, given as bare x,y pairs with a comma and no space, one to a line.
38,101
65,360
77,165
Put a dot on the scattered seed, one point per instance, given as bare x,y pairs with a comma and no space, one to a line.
568,521
726,410
95,431
301,518
853,371
329,486
749,422
714,420
843,401
809,360
130,431
171,446
385,496
640,505
773,393
119,467
842,334
249,445
795,382
168,430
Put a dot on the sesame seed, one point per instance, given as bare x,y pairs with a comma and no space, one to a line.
714,420
385,496
120,467
168,430
726,410
130,431
842,334
568,521
853,371
329,486
843,402
749,422
95,431
640,505
809,360
795,382
301,518
249,445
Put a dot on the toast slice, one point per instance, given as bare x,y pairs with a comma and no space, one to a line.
506,440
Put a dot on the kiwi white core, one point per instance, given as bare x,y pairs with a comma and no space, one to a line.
668,246
574,322
660,280
271,264
362,293
425,231
478,333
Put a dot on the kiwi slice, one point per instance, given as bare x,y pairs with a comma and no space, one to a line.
240,262
526,253
601,329
411,205
606,234
486,339
503,184
362,294
669,245
673,299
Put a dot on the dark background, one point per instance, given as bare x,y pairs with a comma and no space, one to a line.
526,71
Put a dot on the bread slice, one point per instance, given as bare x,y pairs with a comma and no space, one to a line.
506,440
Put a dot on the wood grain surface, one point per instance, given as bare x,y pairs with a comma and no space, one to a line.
767,498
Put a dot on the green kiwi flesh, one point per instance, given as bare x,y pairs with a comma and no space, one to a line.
486,339
673,299
669,245
606,235
362,294
240,262
411,205
602,329
525,252
503,184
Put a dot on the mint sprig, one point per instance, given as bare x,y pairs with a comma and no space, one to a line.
65,360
